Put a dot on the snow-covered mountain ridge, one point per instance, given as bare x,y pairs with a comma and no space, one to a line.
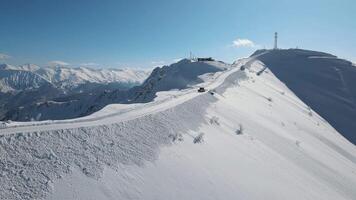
323,81
249,138
18,80
29,88
64,77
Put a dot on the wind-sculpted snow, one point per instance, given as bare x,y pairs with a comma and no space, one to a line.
31,162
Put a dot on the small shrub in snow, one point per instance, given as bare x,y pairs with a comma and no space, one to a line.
269,99
240,130
176,137
86,171
199,138
214,120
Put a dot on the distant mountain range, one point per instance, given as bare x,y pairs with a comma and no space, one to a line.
30,86
29,76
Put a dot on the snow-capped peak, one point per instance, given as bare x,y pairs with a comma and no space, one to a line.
7,67
29,67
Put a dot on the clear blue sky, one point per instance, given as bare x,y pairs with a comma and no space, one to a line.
145,33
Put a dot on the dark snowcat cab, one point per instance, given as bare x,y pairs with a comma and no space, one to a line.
201,89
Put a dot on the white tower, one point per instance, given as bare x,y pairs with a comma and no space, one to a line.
275,40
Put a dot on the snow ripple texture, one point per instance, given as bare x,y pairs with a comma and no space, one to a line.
31,162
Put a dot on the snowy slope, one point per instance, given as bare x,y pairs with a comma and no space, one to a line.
252,139
323,81
179,76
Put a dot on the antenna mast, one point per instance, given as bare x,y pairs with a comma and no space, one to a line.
275,40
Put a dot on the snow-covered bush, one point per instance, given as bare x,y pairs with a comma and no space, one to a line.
214,121
199,138
176,137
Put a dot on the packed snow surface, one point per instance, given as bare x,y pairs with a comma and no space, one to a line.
247,137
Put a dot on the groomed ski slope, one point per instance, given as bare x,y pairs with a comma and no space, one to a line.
252,139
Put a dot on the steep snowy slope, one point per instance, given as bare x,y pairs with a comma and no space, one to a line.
179,75
323,81
251,138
